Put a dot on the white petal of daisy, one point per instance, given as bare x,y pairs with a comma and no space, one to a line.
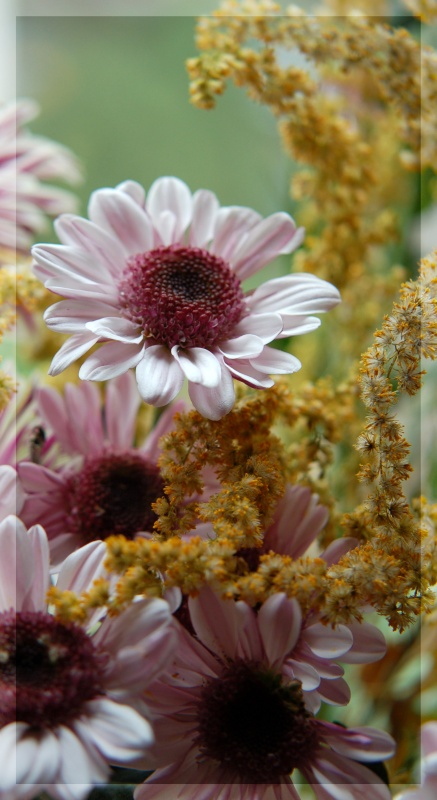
91,239
110,361
168,230
134,190
270,237
118,214
300,293
266,326
244,370
214,403
159,376
82,567
280,622
34,599
205,208
245,346
276,362
170,194
199,365
231,225
71,316
118,731
117,328
72,349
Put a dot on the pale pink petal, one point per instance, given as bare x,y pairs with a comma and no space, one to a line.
118,214
338,549
205,208
231,225
266,326
334,692
164,425
243,370
328,642
170,194
369,644
198,365
134,190
214,403
361,744
37,757
100,245
65,262
110,360
35,598
79,761
71,350
217,622
117,328
298,521
83,407
132,627
159,376
428,736
245,346
82,567
275,362
270,237
280,621
305,673
37,478
71,316
300,293
343,779
116,730
296,325
11,492
121,407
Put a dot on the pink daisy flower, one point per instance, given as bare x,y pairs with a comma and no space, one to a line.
428,766
67,698
102,484
232,719
159,279
25,161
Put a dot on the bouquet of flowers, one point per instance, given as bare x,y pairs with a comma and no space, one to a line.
216,584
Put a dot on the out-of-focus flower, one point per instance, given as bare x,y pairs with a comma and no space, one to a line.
232,712
428,766
67,698
159,279
26,163
102,484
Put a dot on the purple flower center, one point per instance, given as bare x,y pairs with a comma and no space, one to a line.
48,669
181,295
255,725
112,494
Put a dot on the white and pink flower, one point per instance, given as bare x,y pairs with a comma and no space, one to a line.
101,484
67,698
26,162
159,280
233,715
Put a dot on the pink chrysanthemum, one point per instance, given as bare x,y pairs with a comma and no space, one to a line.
106,485
232,719
25,161
68,699
159,279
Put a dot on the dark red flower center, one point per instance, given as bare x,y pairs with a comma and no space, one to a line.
112,494
181,295
48,669
255,725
